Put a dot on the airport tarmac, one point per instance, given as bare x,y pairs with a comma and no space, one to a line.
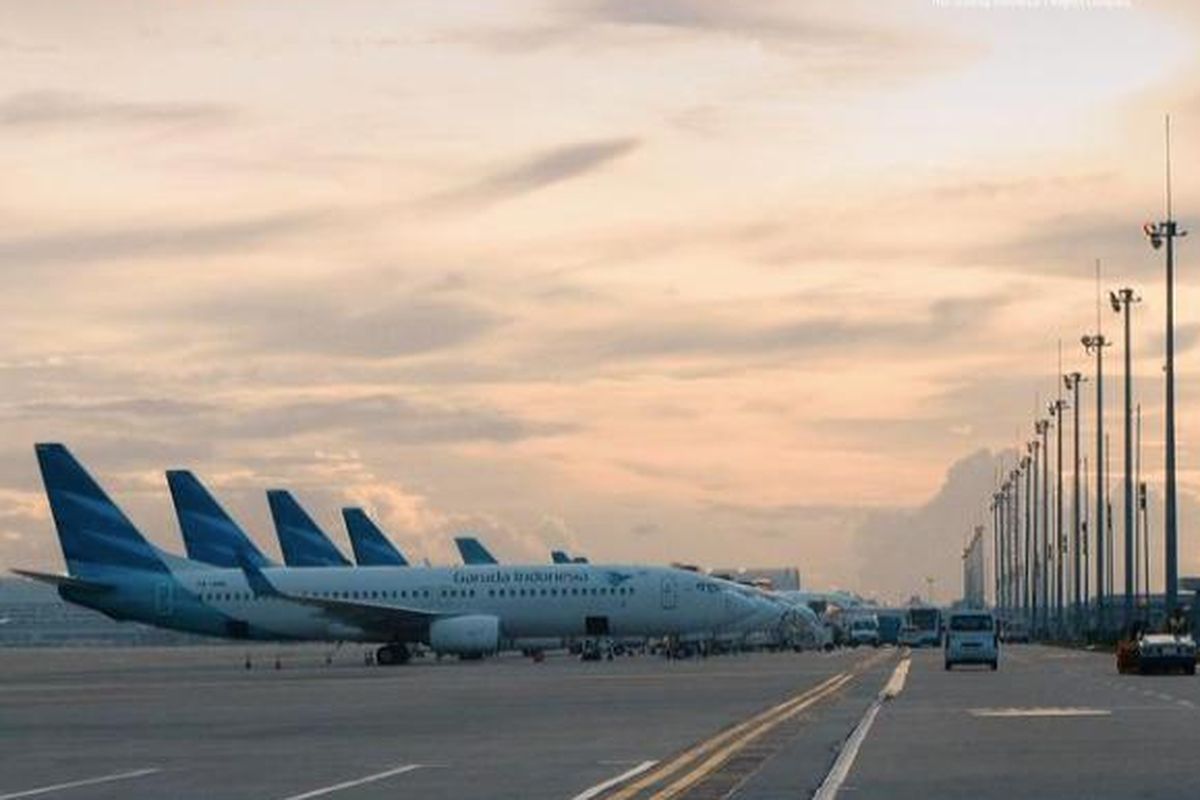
192,722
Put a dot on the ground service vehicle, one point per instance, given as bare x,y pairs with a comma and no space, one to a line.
1157,652
925,624
864,630
971,638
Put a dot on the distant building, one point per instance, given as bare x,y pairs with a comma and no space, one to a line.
784,579
33,615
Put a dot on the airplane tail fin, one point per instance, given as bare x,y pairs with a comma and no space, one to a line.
95,535
473,551
303,543
209,533
371,547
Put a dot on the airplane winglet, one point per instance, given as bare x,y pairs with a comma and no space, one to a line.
254,576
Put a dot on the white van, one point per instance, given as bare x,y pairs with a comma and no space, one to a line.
972,638
864,630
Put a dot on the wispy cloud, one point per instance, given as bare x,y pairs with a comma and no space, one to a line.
48,108
537,172
89,245
308,319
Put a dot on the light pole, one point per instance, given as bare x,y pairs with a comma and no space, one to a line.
994,507
1036,600
1097,343
1014,541
1060,542
1072,380
1161,233
1121,301
1026,572
1002,558
1042,426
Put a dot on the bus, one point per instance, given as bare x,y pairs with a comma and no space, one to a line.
922,627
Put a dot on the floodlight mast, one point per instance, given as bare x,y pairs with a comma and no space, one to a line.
1060,540
1002,558
1161,233
1027,588
1122,301
1071,381
1036,600
1097,343
1042,426
994,507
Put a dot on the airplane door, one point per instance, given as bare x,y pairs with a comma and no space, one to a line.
164,600
670,594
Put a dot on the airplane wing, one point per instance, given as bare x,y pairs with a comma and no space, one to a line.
388,621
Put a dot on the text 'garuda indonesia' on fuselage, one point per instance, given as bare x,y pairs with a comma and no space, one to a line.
466,610
371,547
301,540
209,534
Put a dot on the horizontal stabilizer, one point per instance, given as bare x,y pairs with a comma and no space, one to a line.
54,579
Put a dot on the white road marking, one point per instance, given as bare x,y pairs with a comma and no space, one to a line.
58,787
849,753
600,788
1039,712
895,684
337,787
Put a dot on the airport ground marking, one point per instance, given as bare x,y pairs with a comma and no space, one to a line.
846,757
717,759
337,787
600,788
1048,711
59,787
699,750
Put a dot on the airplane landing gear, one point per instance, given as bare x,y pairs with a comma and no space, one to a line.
391,654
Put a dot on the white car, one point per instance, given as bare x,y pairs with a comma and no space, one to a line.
971,638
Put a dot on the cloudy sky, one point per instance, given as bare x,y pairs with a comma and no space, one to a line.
770,283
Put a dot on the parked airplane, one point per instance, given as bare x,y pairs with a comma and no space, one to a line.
209,533
473,552
466,610
371,547
302,541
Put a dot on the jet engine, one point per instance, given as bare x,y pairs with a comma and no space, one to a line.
471,635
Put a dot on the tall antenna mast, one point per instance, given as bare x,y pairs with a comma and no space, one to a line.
1168,138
